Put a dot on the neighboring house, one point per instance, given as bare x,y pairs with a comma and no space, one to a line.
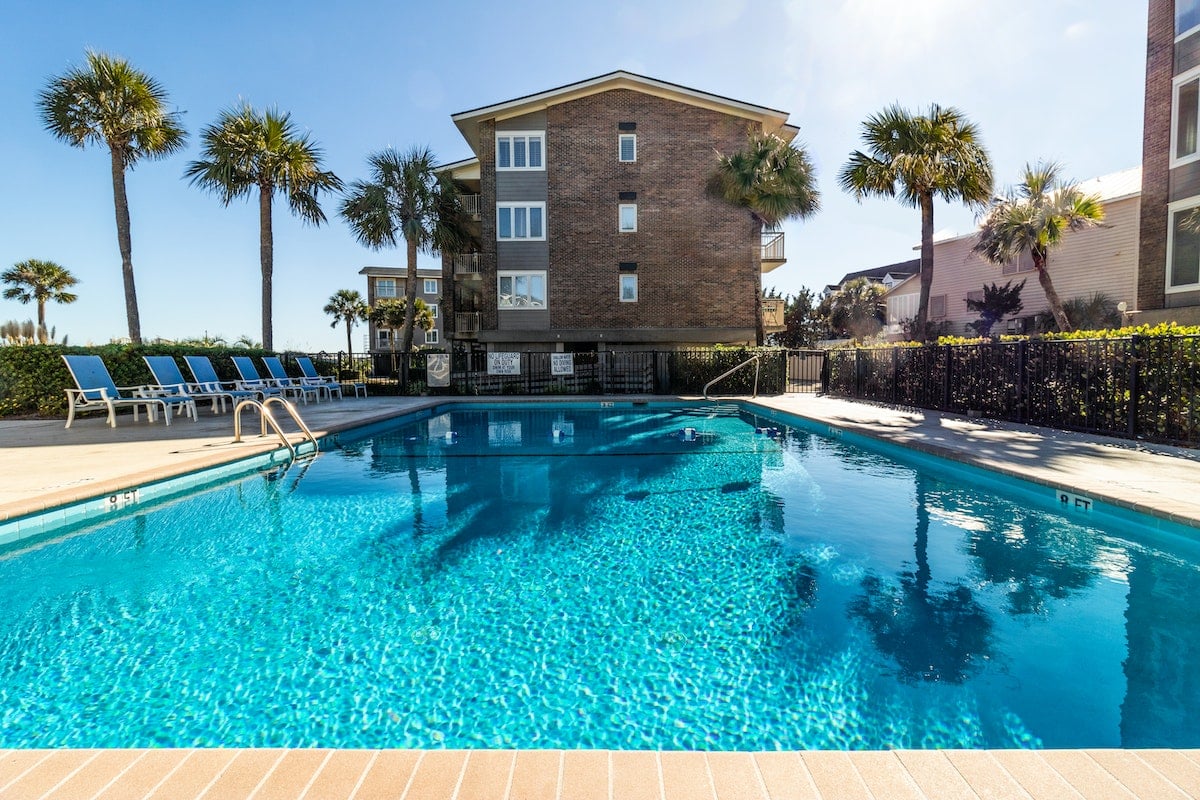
1102,259
887,276
595,230
390,282
1169,260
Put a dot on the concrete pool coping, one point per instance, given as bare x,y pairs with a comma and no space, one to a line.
45,466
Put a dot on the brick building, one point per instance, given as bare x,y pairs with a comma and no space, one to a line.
1168,285
390,282
595,229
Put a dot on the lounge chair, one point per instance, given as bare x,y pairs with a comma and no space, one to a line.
169,380
279,375
207,381
336,387
96,390
252,380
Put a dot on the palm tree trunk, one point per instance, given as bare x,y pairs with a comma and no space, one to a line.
42,314
125,244
926,202
349,337
1056,304
266,256
410,310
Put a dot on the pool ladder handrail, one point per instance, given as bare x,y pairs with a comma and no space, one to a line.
724,375
267,418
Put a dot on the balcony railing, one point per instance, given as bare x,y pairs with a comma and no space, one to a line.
470,204
772,314
772,246
465,263
466,322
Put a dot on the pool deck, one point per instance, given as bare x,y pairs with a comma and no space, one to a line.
45,466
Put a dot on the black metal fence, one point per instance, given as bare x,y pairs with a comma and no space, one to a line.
1140,387
605,372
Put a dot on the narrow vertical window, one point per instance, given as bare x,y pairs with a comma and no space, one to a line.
629,289
518,152
503,153
627,147
504,223
627,217
1187,116
535,152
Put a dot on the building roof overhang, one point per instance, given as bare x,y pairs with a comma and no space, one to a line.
772,120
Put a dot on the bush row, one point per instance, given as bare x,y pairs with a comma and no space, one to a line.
33,377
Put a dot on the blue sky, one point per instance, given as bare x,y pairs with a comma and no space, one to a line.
1044,79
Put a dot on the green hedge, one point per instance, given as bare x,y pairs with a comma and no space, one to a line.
33,377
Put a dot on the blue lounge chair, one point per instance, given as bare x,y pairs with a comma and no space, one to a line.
169,380
96,390
335,386
207,381
253,381
282,380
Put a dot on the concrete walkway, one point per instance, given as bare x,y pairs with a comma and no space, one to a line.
45,466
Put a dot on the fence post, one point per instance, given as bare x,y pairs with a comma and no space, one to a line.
895,374
858,372
1133,385
1022,360
947,380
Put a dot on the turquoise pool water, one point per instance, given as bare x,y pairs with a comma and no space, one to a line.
615,586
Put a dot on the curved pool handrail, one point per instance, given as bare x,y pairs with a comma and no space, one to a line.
724,375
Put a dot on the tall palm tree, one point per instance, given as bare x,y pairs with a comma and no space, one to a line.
109,102
246,149
774,180
39,281
1034,217
916,158
406,196
348,306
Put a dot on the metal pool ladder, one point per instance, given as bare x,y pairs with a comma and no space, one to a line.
266,418
724,375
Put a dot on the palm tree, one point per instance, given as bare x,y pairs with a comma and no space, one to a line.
39,281
111,103
348,306
392,313
915,158
407,197
774,180
1034,217
247,149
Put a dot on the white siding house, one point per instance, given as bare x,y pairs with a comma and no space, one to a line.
1102,259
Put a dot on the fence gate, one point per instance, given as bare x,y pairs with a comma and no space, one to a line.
804,370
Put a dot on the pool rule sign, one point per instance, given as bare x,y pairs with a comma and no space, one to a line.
437,368
504,363
562,363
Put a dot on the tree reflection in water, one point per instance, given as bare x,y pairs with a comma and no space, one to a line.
933,635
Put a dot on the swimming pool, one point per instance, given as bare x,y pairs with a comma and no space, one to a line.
472,579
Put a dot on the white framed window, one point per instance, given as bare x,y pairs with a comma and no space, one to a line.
1187,17
901,307
1022,263
431,286
627,147
525,290
433,309
1185,118
431,336
517,150
627,217
1183,246
975,296
383,336
937,306
628,290
385,287
521,221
